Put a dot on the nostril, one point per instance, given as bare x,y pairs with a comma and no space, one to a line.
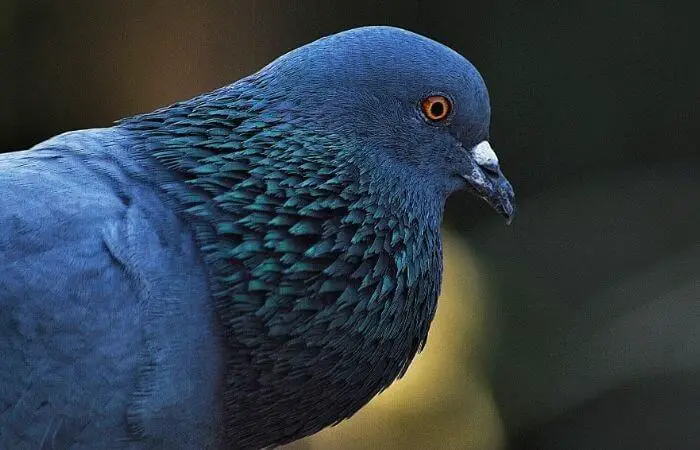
491,169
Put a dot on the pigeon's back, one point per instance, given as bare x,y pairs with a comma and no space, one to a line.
106,338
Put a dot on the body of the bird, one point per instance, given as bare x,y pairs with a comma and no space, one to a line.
107,338
233,271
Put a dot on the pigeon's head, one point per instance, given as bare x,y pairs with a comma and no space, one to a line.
405,102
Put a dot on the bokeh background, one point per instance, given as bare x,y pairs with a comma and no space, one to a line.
576,327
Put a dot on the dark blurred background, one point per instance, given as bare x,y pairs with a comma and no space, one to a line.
576,327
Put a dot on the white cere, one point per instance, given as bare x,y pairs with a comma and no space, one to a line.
484,155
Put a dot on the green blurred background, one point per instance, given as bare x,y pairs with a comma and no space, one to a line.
576,327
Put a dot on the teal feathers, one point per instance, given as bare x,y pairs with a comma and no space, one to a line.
311,264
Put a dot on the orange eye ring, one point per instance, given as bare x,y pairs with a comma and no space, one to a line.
436,108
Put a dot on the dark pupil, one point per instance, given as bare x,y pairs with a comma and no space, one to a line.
436,109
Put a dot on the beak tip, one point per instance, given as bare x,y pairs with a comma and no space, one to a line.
508,212
489,183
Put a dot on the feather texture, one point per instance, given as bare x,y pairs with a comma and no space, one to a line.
325,280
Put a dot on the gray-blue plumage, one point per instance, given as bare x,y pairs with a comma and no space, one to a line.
106,337
240,269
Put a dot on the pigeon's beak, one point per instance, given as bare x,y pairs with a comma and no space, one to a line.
488,182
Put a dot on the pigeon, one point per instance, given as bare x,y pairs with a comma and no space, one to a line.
244,268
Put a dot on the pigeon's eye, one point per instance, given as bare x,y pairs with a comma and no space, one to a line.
436,107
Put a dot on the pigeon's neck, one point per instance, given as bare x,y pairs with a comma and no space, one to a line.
324,259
